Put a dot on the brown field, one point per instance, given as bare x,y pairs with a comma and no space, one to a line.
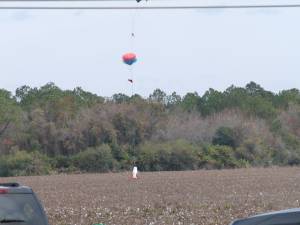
193,197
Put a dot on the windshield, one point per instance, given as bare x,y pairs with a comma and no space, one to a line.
20,207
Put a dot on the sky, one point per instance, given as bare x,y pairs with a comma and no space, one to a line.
179,50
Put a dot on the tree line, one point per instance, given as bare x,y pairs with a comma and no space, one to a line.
47,129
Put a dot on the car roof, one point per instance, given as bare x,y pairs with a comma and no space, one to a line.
283,217
14,188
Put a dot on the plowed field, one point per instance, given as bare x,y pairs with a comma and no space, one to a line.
192,197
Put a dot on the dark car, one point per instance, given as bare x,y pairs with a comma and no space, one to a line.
20,206
284,217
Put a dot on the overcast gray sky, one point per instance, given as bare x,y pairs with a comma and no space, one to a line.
181,50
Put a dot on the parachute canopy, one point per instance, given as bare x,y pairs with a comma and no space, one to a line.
129,58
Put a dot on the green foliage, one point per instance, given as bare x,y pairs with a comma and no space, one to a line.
128,130
178,155
23,163
98,159
158,96
256,153
191,102
220,157
253,99
84,98
260,107
284,98
79,130
225,136
276,126
9,111
211,102
61,162
60,105
291,141
173,99
121,98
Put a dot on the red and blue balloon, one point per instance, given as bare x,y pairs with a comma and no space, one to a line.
129,58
